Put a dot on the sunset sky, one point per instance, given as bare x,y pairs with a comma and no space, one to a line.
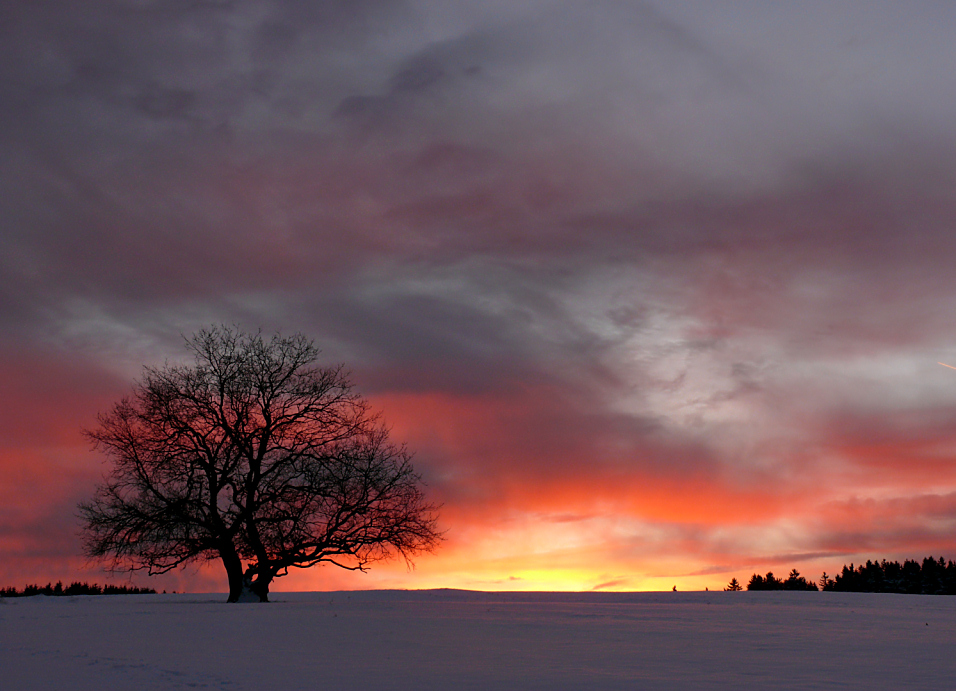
655,291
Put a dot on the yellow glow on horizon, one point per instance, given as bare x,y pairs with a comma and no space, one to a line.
555,580
516,577
534,580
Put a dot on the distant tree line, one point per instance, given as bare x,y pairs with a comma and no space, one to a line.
75,588
931,577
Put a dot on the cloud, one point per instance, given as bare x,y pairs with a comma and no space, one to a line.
682,266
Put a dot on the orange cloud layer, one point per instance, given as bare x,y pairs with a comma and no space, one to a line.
522,510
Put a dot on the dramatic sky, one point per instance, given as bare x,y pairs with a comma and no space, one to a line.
655,290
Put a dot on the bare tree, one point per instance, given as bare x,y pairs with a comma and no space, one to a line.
256,456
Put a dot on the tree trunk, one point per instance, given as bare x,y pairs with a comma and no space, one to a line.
257,587
233,564
261,589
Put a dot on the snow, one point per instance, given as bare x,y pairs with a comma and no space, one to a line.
445,639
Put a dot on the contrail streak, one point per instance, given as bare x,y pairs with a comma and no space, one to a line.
945,365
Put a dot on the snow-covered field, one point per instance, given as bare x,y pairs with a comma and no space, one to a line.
468,640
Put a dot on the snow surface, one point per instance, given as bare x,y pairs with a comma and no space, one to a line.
446,639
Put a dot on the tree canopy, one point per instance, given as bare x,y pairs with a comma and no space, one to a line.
256,456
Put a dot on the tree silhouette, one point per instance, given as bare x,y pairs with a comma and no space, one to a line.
255,456
931,577
75,588
771,582
797,582
734,585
